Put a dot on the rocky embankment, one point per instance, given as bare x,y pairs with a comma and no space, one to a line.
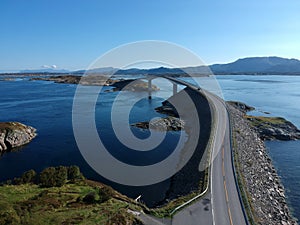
100,80
260,181
14,134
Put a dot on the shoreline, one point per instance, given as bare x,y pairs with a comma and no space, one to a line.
259,181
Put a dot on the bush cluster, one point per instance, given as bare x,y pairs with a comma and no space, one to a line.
50,177
100,195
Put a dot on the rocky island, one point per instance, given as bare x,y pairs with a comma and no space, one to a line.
14,134
269,128
169,123
100,80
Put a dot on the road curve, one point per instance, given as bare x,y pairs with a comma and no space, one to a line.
226,207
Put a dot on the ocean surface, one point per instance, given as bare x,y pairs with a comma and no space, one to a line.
48,107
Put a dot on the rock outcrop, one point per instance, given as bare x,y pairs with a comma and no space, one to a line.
14,134
100,80
274,128
260,180
241,106
269,128
76,79
169,123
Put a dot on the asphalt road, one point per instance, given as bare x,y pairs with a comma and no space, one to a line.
226,205
222,203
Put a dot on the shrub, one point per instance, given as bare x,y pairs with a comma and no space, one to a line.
28,177
61,176
17,180
53,176
74,174
90,197
47,177
105,193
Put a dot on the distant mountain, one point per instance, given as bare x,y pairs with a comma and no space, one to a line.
45,70
251,65
154,71
104,70
260,65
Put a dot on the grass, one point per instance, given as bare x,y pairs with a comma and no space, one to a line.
265,121
30,204
165,211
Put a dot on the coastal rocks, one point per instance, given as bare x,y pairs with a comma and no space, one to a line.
93,80
261,183
241,106
167,108
274,128
14,134
100,80
132,85
269,128
162,124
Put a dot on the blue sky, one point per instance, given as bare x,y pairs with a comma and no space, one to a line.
73,33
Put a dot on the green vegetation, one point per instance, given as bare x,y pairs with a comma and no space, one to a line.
50,177
257,121
166,210
60,195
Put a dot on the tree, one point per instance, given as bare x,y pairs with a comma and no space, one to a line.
53,176
74,174
61,175
47,177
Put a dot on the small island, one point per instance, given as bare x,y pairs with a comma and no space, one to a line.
100,80
269,128
169,123
15,134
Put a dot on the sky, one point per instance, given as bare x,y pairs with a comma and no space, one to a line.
71,34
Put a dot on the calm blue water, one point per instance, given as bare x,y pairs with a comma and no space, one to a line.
48,107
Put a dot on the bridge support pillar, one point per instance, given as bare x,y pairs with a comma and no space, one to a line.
149,89
174,88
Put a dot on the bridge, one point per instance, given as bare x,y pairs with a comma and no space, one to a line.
221,204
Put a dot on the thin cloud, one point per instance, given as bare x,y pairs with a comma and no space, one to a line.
49,66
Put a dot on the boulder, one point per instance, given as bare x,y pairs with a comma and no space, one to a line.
15,134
